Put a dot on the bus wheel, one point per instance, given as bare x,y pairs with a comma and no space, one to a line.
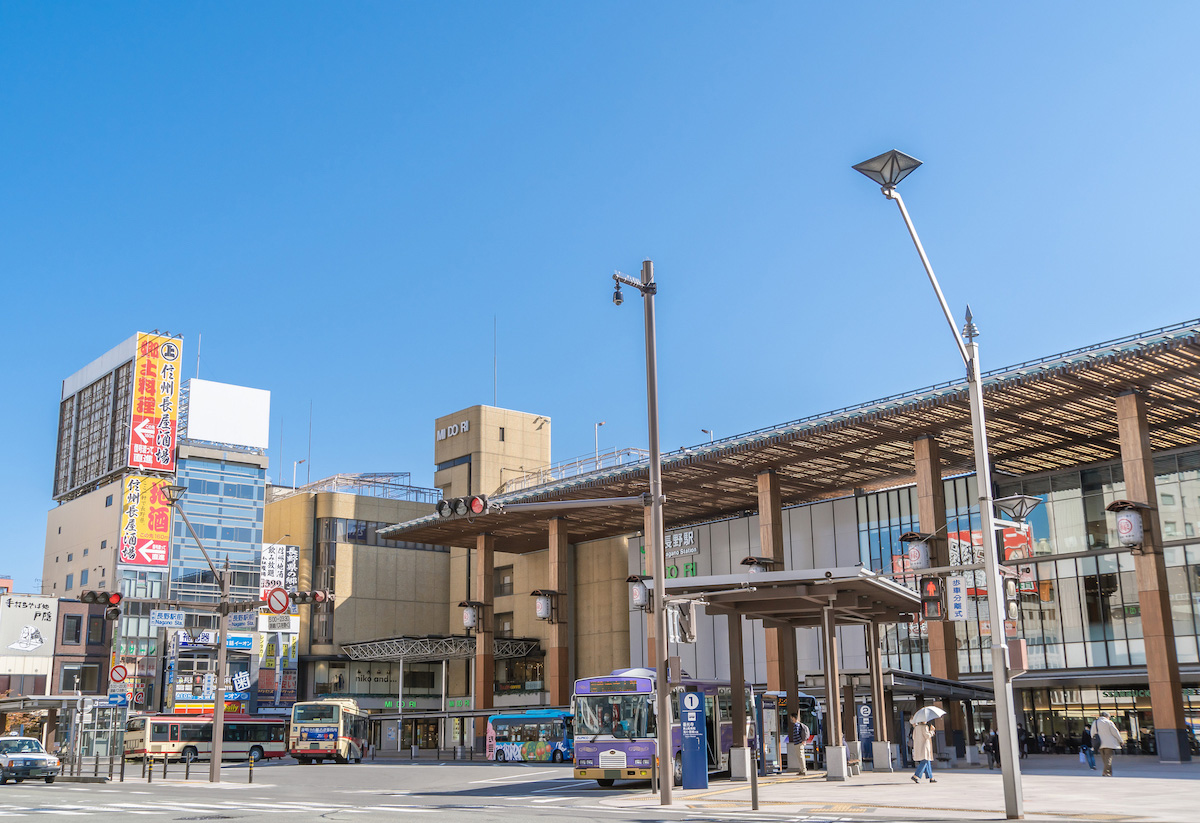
500,758
678,770
256,753
190,754
304,761
557,757
606,782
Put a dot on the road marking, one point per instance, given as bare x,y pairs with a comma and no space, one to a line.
513,776
550,799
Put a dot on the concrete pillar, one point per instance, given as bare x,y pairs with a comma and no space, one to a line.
835,752
485,659
558,676
881,752
781,677
943,646
1162,665
739,754
791,688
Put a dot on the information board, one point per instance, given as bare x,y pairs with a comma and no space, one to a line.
695,741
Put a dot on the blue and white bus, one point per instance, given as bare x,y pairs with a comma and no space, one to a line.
538,734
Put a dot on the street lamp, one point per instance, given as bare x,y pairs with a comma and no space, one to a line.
709,432
654,541
888,169
174,495
598,425
295,465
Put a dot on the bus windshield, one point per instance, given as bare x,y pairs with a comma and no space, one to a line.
626,715
314,713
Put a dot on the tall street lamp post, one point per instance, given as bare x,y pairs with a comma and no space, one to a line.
175,494
888,170
654,540
598,425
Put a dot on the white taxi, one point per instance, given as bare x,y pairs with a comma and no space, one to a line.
23,758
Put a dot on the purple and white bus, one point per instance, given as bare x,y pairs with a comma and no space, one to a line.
616,729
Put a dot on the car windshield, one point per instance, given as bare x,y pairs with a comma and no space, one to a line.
315,713
20,745
625,715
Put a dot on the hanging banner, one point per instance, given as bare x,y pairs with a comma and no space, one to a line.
280,568
145,521
155,402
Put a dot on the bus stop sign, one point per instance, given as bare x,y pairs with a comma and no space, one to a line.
695,741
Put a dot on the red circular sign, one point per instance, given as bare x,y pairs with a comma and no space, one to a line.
140,697
118,673
277,600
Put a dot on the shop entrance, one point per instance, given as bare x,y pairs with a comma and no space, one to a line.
422,733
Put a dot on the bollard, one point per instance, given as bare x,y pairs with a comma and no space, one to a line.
187,768
110,766
654,774
251,768
122,768
149,769
754,780
96,766
145,757
164,765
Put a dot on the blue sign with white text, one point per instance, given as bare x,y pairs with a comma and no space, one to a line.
695,740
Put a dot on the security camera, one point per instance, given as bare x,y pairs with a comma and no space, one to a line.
828,575
618,298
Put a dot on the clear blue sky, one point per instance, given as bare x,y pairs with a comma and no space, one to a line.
341,196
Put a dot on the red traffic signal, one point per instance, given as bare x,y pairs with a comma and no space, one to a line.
931,588
318,596
107,598
114,599
933,605
475,505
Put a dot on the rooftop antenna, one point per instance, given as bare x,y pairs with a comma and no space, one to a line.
494,361
199,340
308,478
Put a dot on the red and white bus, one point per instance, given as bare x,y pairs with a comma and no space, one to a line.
189,737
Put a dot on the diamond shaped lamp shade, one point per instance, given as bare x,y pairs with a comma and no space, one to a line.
889,168
1018,506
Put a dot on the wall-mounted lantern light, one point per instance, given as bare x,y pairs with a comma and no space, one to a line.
757,565
545,607
639,591
916,548
472,612
1130,528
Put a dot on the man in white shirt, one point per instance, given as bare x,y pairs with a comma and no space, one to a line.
1110,740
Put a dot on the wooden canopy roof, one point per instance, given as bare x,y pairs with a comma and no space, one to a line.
1042,415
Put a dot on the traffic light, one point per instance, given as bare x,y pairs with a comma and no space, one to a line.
319,596
475,505
1012,599
110,599
933,600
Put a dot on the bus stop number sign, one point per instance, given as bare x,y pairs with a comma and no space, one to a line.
695,741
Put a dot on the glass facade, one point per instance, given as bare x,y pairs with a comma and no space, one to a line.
1079,598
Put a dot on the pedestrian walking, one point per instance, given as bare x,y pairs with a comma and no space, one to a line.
1022,742
799,743
1107,738
1086,754
992,748
923,734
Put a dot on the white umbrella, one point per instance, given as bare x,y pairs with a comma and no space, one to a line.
926,714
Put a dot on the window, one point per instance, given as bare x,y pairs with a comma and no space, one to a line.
95,635
103,545
501,434
70,582
87,675
503,584
85,551
108,501
72,627
504,624
83,575
70,558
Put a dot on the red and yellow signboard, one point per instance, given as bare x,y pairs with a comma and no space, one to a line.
155,401
145,521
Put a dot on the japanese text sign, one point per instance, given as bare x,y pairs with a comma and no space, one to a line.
145,521
155,402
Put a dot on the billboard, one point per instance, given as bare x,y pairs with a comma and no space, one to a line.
280,568
221,413
145,521
155,402
27,625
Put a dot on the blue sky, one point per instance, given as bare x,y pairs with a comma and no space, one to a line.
340,197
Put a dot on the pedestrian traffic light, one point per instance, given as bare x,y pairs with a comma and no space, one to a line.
933,600
318,596
475,505
110,599
1012,599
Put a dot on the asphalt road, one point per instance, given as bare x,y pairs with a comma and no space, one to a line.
384,790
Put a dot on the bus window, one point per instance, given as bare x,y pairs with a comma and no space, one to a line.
196,733
174,732
137,724
159,731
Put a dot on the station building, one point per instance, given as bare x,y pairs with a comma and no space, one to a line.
1108,627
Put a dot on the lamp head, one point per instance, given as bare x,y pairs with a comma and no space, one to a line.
1018,507
889,168
618,298
173,493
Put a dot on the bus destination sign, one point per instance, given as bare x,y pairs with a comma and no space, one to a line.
615,686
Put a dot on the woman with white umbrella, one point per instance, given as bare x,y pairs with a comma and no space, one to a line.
923,734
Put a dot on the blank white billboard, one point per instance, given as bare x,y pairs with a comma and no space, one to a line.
223,413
